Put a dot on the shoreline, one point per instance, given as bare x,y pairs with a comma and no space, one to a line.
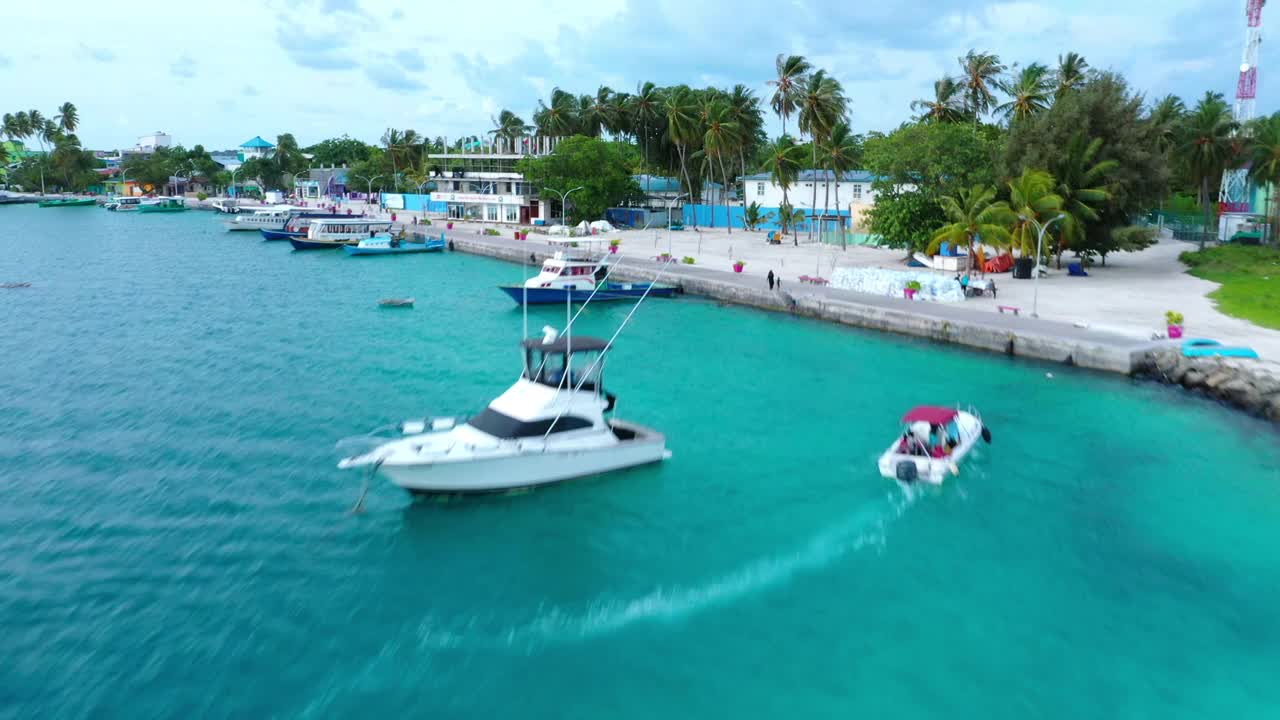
1252,388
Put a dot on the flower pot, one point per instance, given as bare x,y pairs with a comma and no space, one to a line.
524,234
1175,332
449,226
613,249
909,293
737,267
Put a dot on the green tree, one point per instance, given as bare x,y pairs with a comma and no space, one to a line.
1080,177
979,76
841,152
783,162
1265,159
745,108
680,107
68,118
509,127
905,218
946,105
788,79
1071,74
1206,143
1028,93
939,157
339,151
601,168
721,140
1033,203
645,111
754,216
973,213
559,118
822,105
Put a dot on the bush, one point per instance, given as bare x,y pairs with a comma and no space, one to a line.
1173,317
202,196
914,285
491,231
687,260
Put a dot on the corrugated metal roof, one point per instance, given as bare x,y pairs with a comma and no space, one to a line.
858,176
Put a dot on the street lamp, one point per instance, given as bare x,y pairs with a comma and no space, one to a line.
370,184
563,197
295,182
671,201
1035,295
233,181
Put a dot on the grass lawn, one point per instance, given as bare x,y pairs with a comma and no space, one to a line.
1250,277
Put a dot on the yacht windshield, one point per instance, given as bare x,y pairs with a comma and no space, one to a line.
494,423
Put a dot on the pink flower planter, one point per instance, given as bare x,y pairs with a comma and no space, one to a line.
613,249
737,267
909,293
448,226
524,234
1175,332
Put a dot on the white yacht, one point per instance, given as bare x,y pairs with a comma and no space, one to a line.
268,218
547,427
123,203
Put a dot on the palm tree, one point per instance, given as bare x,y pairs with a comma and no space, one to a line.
980,73
745,107
790,71
1206,142
840,155
753,217
36,127
1070,74
721,139
1033,202
509,127
783,160
1028,93
596,113
974,214
822,105
558,119
947,104
1265,159
1166,116
644,108
68,118
789,217
681,110
1080,185
21,125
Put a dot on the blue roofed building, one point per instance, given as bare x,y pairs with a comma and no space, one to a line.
256,148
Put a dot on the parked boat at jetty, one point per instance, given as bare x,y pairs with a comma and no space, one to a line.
163,204
388,245
547,427
932,444
333,233
68,202
578,273
235,206
295,226
123,204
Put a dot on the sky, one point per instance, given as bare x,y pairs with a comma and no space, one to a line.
324,68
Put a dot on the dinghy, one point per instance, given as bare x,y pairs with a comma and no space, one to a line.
934,442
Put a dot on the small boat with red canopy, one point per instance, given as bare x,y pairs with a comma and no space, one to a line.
933,442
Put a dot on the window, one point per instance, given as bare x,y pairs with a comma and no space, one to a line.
491,213
511,213
759,189
857,191
503,426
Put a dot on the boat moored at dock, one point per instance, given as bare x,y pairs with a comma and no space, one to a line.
395,245
295,226
333,233
578,273
68,202
163,205
124,204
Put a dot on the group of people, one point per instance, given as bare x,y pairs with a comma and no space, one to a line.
925,440
775,281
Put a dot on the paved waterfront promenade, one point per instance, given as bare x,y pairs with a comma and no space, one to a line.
1016,335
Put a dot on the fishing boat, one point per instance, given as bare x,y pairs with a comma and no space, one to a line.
388,245
271,217
333,233
163,205
295,226
396,302
123,204
934,441
67,202
578,273
549,426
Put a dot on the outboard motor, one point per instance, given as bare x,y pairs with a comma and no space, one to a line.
986,434
907,471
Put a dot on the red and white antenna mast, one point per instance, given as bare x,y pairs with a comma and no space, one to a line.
1234,196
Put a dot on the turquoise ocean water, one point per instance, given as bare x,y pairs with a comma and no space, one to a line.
174,536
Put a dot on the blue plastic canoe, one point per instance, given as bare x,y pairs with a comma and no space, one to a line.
1204,347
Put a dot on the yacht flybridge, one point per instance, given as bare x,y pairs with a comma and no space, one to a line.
549,426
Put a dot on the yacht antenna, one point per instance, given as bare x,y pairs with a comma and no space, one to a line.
524,272
568,336
607,346
587,302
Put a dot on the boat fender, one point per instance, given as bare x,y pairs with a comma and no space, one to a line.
906,471
986,434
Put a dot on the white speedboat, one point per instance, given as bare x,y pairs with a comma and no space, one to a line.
932,444
265,218
547,427
123,203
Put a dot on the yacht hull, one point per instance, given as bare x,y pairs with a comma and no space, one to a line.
612,291
511,472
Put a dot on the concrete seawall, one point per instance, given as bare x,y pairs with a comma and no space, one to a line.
1007,334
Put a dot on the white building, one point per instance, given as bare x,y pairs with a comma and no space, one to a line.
854,188
149,143
256,148
485,186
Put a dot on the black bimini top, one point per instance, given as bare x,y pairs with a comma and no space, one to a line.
582,343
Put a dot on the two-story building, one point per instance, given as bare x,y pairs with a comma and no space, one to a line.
256,148
851,197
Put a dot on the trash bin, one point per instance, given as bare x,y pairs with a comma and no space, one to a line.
1022,268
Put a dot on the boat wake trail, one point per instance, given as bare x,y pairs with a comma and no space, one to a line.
854,534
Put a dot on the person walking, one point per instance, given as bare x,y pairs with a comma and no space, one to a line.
770,277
